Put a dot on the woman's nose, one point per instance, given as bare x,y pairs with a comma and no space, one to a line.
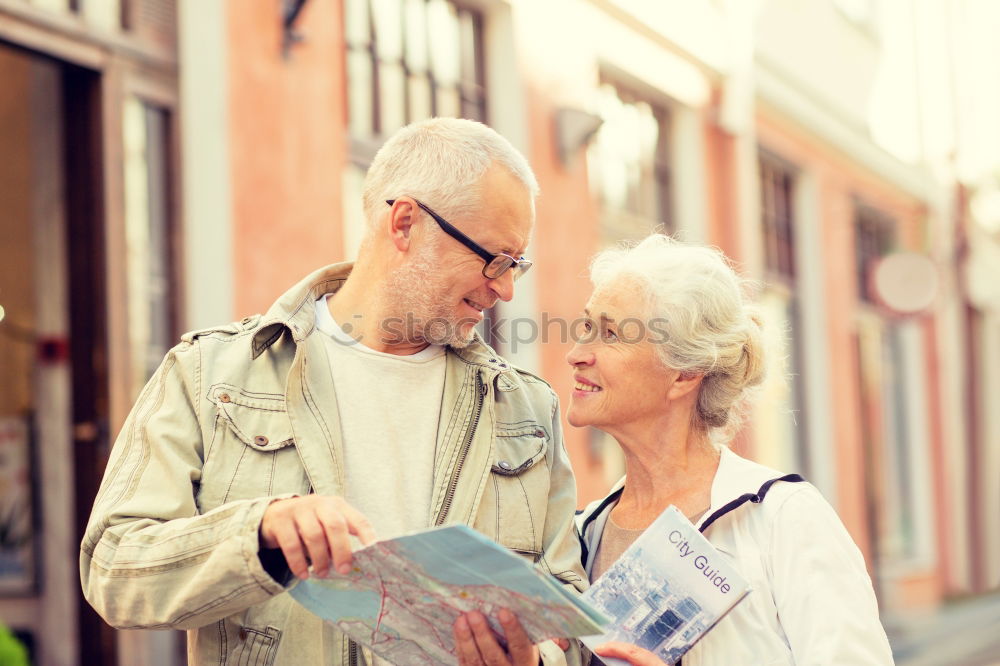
579,355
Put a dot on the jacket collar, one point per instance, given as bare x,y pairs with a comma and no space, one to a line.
294,312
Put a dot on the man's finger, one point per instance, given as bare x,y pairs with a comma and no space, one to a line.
465,644
269,522
519,645
336,531
486,641
358,525
314,538
287,538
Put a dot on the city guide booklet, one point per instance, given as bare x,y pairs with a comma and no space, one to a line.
403,595
666,590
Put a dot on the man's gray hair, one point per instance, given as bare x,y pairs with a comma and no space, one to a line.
440,162
705,322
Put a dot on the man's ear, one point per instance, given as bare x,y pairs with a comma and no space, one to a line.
400,223
684,384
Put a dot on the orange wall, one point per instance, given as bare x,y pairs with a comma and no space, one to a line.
566,236
721,186
286,198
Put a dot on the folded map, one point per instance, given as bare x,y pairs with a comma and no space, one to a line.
403,595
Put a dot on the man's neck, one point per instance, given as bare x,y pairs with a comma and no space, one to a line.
361,310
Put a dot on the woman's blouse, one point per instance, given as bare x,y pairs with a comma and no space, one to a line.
812,600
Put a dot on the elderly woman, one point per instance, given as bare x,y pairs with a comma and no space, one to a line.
671,352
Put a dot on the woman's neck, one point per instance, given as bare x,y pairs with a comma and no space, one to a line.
674,465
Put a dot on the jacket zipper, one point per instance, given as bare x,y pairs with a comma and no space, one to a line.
449,495
352,653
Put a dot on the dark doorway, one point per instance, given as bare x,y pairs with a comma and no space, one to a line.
84,169
53,351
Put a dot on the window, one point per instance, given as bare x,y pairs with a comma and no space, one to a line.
874,236
154,22
407,60
777,218
892,391
629,166
779,420
148,237
411,59
103,14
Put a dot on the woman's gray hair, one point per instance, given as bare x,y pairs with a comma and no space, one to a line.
441,162
700,320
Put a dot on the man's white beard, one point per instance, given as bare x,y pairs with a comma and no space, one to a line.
415,291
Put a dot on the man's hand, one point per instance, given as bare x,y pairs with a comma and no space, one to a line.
633,654
476,644
316,530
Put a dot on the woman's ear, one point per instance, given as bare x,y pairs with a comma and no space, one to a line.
684,384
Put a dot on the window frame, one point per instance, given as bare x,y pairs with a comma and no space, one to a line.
660,178
875,236
473,91
778,237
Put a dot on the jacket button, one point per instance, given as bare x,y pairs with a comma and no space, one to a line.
225,398
503,464
243,633
260,440
539,433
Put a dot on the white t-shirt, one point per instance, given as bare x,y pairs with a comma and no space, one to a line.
389,409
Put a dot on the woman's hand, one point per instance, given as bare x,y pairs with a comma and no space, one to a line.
476,643
633,654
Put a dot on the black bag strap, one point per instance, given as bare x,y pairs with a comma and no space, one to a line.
613,497
756,498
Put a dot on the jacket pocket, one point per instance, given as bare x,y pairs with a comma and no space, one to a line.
518,448
255,647
516,495
252,453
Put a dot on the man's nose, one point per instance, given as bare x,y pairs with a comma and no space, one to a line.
503,286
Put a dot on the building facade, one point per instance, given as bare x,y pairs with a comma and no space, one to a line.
173,165
89,100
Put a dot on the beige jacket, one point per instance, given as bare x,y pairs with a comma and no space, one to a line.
240,415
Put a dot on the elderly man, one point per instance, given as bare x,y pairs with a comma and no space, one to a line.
363,403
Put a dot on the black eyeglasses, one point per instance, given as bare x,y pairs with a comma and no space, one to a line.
496,264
